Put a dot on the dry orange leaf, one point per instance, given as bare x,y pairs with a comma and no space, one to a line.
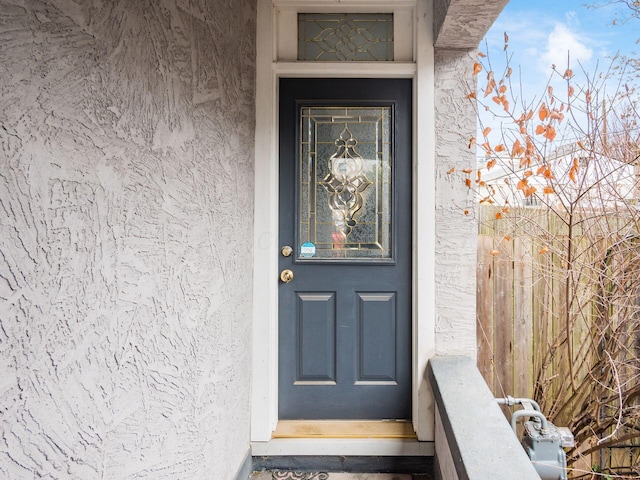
556,115
472,95
494,252
506,37
517,149
472,142
522,184
451,170
507,238
486,131
490,86
491,164
549,190
531,148
477,68
568,73
571,91
543,113
550,133
528,173
509,71
543,250
466,212
529,191
540,129
467,182
498,216
467,170
574,170
500,148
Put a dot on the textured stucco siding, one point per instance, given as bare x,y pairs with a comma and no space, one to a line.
461,24
455,231
126,213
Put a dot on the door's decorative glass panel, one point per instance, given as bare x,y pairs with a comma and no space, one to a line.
345,183
333,37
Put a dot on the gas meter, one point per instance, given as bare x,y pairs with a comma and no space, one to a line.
543,442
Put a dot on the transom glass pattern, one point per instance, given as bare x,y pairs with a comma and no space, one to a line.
336,37
344,189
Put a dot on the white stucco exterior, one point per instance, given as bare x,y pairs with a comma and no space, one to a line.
126,200
136,282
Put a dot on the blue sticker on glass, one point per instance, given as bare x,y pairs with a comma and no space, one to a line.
307,250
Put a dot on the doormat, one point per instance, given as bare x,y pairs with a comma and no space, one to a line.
300,476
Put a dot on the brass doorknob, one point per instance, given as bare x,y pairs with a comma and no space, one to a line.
286,275
286,251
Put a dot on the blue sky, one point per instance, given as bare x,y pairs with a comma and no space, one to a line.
542,31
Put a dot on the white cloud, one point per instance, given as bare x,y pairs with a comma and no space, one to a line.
560,42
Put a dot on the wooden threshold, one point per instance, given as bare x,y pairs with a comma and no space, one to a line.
344,429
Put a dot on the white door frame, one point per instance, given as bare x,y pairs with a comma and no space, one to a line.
273,61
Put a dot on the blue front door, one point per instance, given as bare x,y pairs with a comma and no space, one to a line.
345,213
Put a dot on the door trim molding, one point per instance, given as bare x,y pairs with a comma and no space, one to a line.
264,401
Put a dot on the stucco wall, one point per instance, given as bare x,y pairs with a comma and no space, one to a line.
455,230
461,24
126,200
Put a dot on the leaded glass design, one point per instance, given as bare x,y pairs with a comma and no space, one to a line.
335,37
345,175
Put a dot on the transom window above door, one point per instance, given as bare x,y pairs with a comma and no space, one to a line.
319,32
338,37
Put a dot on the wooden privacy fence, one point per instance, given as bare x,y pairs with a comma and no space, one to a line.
547,319
522,292
514,295
505,308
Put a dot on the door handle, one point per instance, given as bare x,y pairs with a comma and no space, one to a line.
286,275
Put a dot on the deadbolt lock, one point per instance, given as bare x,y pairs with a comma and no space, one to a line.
286,276
286,251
